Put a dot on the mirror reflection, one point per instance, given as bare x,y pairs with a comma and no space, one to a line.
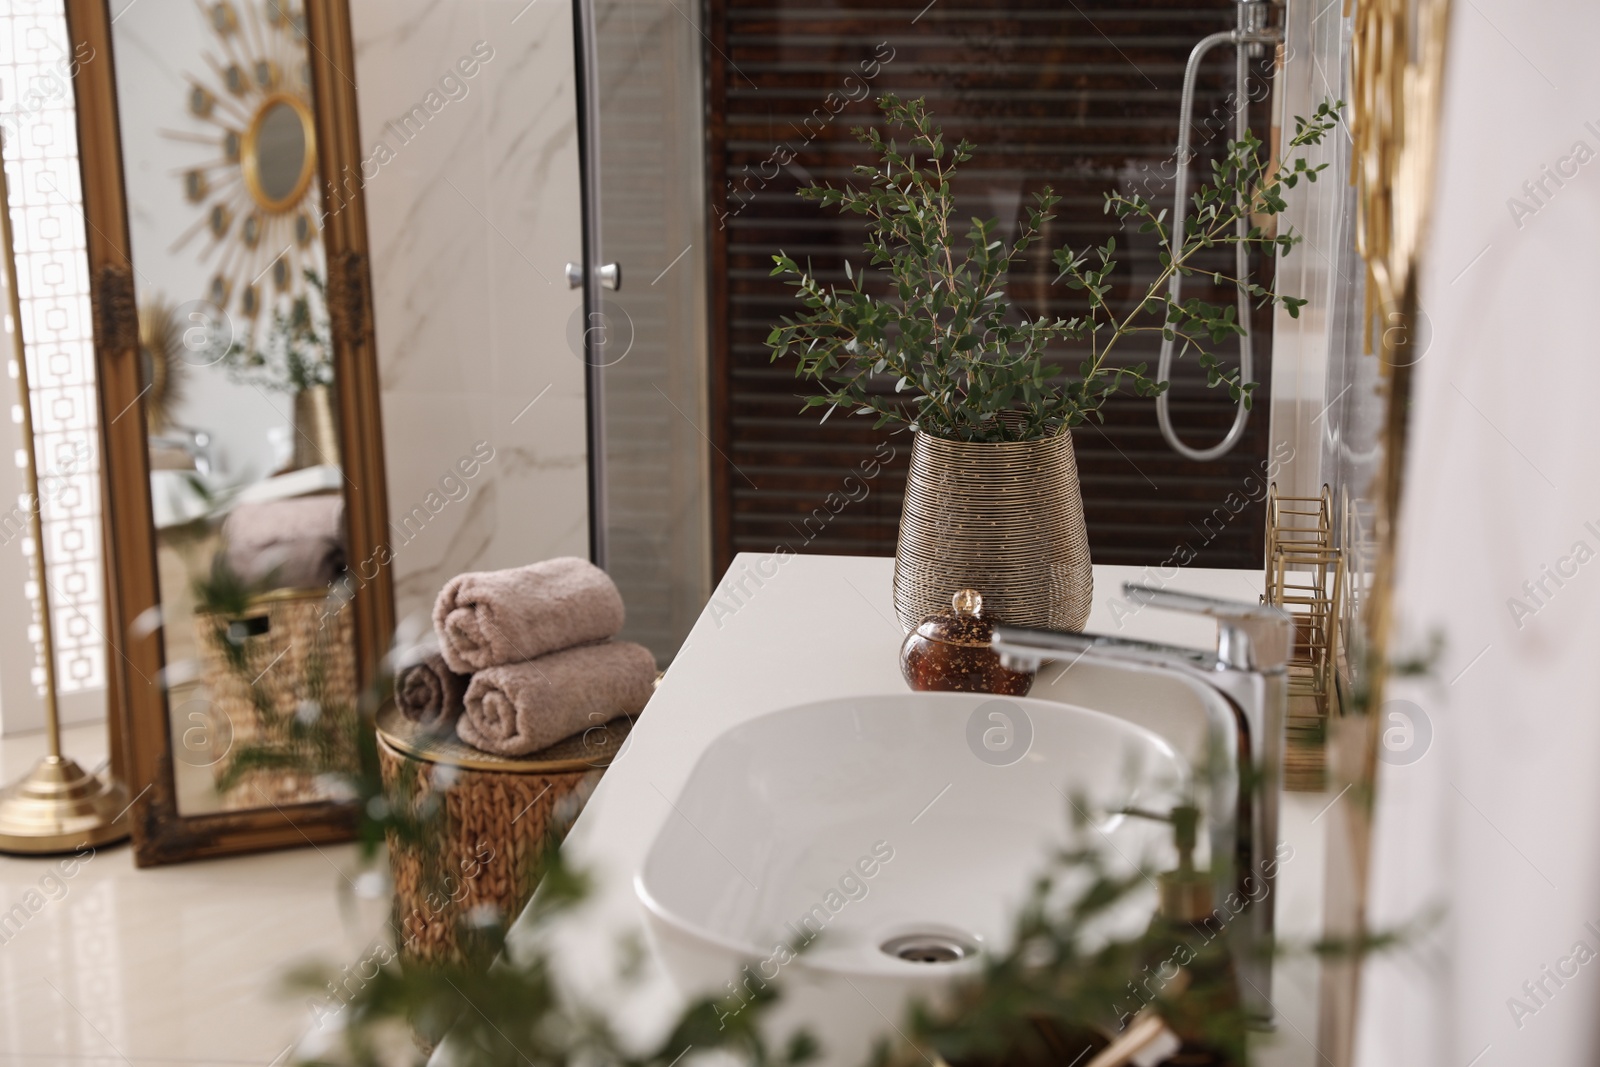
278,158
246,484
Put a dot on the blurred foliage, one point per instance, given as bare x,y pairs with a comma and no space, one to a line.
302,725
298,351
1064,989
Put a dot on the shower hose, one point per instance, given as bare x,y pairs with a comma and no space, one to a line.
1247,33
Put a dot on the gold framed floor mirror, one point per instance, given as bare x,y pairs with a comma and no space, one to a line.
249,593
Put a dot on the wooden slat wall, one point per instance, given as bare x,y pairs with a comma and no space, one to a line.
1079,95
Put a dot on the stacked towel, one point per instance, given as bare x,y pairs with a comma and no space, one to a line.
426,690
519,708
488,618
537,640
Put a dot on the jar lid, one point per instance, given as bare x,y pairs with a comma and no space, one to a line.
964,624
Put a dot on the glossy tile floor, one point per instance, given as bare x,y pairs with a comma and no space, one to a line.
175,965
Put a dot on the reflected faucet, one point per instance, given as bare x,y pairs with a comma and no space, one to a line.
1249,673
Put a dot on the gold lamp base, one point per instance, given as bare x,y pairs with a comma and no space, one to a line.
59,807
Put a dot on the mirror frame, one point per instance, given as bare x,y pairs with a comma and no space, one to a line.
161,834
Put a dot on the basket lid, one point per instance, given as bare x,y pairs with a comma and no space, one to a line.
591,749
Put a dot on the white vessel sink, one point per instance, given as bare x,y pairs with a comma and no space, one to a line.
881,818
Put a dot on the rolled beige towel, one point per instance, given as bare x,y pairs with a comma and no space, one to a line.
490,618
428,692
519,708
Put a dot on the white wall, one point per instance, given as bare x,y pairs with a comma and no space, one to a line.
471,220
1500,817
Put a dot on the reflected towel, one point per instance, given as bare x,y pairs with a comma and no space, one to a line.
489,618
297,543
429,693
519,708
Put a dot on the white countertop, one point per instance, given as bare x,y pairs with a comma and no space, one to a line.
781,631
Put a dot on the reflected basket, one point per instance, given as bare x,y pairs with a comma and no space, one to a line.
289,655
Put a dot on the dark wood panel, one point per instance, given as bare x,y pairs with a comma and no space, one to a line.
1081,97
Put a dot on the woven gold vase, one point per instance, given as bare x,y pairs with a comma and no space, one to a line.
1005,519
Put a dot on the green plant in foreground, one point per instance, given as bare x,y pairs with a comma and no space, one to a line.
1065,982
945,334
516,1012
1055,994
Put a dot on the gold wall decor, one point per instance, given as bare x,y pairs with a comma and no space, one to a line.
1397,59
255,198
1397,72
162,352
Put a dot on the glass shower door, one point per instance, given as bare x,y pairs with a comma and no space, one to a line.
643,328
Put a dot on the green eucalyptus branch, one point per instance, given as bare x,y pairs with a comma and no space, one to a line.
944,350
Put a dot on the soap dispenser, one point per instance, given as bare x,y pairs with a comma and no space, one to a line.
1188,966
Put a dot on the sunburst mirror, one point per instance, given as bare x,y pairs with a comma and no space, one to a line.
257,200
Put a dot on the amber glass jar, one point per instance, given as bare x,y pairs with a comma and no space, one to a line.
949,652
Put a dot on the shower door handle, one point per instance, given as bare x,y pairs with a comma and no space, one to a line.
610,276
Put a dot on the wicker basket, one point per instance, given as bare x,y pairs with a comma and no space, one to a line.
499,813
1005,519
292,650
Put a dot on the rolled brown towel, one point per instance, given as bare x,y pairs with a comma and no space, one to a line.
428,692
488,618
519,708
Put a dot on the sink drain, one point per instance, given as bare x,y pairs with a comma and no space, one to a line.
927,948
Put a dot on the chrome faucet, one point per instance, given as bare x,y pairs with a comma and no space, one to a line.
1247,680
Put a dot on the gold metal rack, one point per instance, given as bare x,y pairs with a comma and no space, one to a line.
1305,577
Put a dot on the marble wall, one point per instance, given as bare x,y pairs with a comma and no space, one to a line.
473,209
